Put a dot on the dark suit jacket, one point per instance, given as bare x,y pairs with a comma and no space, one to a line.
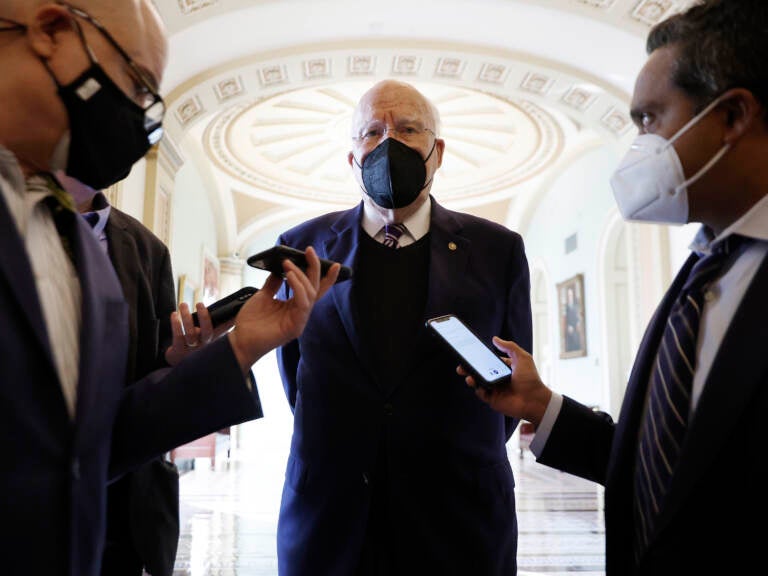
718,499
143,506
54,471
451,490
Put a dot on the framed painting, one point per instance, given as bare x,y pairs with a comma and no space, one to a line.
210,284
187,291
573,335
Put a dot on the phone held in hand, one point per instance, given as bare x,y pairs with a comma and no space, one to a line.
227,308
472,353
272,260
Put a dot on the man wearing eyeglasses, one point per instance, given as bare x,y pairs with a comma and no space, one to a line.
395,469
79,93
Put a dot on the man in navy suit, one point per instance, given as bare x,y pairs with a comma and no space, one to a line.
79,94
700,106
395,467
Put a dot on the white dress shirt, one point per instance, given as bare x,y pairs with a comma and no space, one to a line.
721,300
56,280
416,225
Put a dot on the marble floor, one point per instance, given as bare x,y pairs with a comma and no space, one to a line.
229,513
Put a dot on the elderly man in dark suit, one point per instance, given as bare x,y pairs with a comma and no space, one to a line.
79,93
395,467
684,466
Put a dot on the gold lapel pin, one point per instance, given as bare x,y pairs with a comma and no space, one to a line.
452,246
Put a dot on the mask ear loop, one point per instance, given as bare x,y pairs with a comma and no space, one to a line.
695,119
716,158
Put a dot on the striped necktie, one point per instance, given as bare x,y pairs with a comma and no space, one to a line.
392,233
665,420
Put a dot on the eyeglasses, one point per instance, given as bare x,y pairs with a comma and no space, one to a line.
407,133
149,100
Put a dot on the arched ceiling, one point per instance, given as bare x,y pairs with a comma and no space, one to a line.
260,94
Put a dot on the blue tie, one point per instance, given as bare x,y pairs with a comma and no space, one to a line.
392,233
665,420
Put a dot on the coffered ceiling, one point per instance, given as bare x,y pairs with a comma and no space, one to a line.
260,94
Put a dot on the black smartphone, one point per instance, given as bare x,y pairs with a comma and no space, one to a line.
272,260
474,355
228,307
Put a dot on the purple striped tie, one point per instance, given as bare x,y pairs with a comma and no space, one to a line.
392,233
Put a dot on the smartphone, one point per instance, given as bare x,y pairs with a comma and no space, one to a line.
474,355
272,260
228,307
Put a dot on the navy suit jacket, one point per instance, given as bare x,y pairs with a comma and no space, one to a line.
450,486
54,470
718,498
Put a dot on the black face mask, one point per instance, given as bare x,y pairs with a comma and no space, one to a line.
107,129
394,173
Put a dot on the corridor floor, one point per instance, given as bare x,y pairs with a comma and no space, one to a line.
229,516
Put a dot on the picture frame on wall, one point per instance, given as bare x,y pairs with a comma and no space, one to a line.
210,280
573,333
188,291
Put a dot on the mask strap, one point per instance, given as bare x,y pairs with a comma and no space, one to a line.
695,119
704,169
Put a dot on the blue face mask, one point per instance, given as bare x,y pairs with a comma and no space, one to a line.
394,174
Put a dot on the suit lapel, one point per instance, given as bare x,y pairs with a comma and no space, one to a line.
449,252
342,246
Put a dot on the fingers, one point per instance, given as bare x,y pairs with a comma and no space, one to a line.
206,325
507,346
177,330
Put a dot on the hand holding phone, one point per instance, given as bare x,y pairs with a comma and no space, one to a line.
272,260
227,308
475,356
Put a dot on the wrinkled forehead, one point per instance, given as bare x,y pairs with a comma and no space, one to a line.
392,103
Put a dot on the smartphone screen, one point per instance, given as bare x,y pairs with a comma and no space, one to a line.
474,355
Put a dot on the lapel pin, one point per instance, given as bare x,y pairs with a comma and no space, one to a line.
451,246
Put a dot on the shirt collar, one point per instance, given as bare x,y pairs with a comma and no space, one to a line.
753,224
416,225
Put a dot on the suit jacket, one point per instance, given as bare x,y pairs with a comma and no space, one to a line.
54,469
718,499
450,486
143,506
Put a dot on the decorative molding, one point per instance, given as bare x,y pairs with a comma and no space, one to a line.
616,121
271,75
189,109
228,88
450,68
651,12
170,158
578,98
406,65
317,68
537,83
603,4
362,65
189,6
494,73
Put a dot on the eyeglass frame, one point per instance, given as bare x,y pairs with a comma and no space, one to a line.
397,130
140,74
